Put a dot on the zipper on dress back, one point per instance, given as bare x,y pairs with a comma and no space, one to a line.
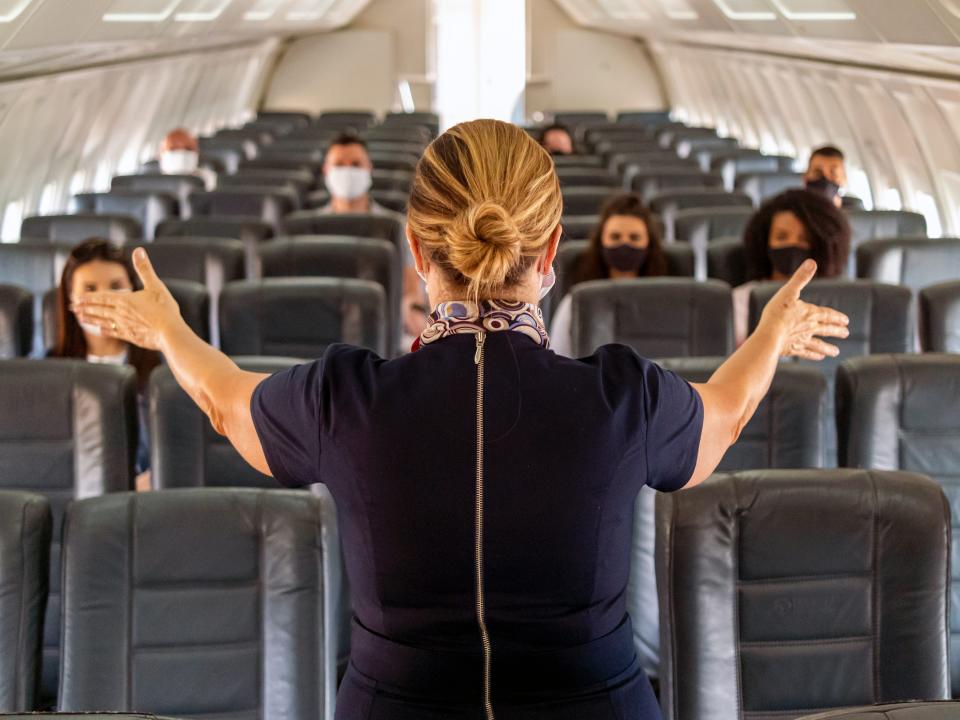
478,360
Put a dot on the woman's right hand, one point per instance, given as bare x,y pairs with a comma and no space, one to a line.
140,317
801,325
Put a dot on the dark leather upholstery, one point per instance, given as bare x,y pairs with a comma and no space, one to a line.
25,533
36,267
587,177
675,200
788,592
940,317
650,118
658,317
586,200
357,119
300,317
185,450
149,207
783,433
194,301
250,233
913,262
943,710
16,321
649,183
762,185
339,257
391,180
577,161
177,185
119,229
900,413
208,261
395,200
579,227
300,181
875,224
202,602
74,434
573,118
264,204
622,157
394,161
379,227
880,322
84,716
699,226
727,261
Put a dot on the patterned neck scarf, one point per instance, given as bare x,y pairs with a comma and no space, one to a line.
462,317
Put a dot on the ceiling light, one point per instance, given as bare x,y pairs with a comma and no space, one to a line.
199,15
11,11
789,14
263,10
760,15
138,15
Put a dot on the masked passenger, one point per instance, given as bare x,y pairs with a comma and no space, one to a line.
180,155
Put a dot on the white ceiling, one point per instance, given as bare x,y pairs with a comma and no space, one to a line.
921,35
40,36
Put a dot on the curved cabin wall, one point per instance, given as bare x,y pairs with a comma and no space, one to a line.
900,131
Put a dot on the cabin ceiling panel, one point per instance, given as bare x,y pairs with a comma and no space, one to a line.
38,36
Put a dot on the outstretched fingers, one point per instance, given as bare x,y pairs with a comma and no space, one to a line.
144,268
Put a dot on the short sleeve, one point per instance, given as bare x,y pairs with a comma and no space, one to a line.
674,422
287,416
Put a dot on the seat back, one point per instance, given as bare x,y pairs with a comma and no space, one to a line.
940,317
701,225
874,224
879,323
264,204
118,229
579,227
893,414
339,257
301,317
149,207
300,182
579,201
783,433
36,267
250,232
185,450
74,435
937,710
180,186
202,602
913,262
363,225
25,534
658,317
650,118
649,183
784,592
727,261
16,321
587,177
762,185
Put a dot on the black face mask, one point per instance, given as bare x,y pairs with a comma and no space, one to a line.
787,260
625,258
824,187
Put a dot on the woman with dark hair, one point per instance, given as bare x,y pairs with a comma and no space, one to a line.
785,231
95,265
625,244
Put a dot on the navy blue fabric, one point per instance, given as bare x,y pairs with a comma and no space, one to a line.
568,445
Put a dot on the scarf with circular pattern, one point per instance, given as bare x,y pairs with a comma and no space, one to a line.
464,317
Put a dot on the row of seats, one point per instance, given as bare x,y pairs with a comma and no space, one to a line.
890,410
352,294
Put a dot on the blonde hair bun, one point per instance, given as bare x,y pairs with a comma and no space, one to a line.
484,204
484,244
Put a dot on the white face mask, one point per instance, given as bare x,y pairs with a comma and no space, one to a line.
179,162
91,329
348,183
547,282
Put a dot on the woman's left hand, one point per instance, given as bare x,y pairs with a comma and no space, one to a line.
140,317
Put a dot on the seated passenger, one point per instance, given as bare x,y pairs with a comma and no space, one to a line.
348,175
785,231
827,174
180,155
96,266
557,140
625,244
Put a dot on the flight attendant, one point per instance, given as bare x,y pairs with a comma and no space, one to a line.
485,484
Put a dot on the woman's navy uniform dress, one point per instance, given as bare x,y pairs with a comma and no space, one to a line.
485,488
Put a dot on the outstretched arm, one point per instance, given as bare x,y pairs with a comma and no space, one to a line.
788,327
151,318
